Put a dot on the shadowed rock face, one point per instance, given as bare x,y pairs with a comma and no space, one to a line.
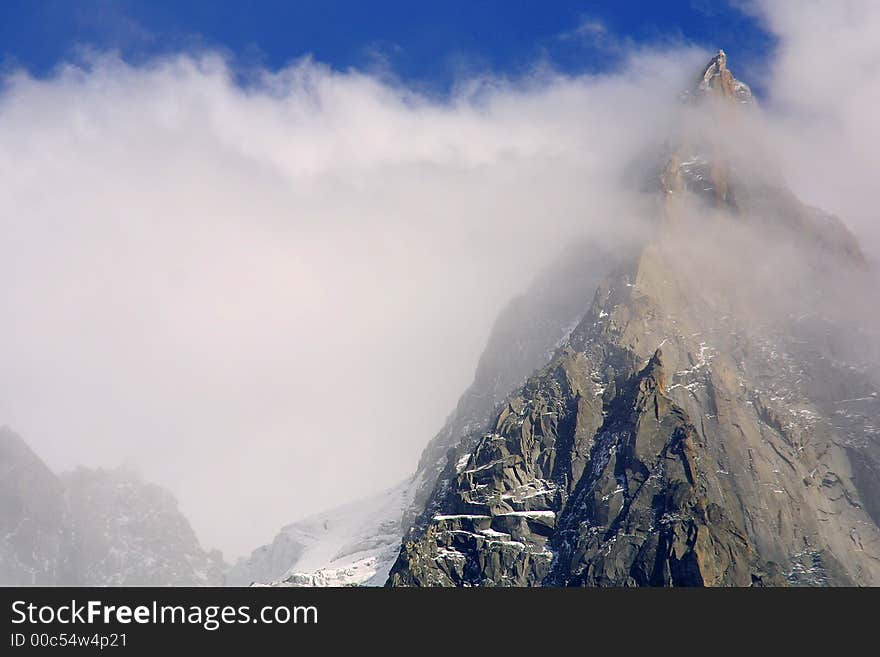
646,513
711,421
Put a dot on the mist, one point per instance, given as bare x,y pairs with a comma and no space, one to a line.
822,100
266,292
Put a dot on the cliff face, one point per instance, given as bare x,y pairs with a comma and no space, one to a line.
711,420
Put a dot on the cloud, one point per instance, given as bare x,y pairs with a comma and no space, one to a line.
822,100
594,34
268,295
587,29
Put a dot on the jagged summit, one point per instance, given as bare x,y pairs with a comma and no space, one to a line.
714,68
700,158
716,156
717,80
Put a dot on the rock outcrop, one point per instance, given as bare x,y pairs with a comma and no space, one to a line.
717,79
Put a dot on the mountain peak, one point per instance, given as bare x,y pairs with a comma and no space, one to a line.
718,80
719,61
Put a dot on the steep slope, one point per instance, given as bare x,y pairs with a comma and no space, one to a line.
712,420
351,545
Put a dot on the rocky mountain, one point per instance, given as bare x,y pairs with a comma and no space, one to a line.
710,420
92,528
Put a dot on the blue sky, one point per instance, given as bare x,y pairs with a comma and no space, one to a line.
426,44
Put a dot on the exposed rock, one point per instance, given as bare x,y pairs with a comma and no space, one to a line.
717,79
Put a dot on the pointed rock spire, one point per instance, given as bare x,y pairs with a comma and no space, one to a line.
655,371
717,79
696,163
714,68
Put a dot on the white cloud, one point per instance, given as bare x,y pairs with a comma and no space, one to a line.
269,297
824,93
588,29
